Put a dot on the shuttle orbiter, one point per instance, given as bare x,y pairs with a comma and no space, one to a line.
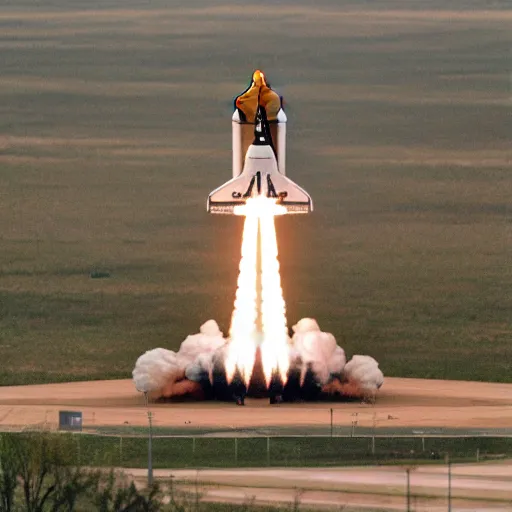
259,117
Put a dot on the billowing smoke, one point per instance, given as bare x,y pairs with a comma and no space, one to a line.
166,373
154,368
317,367
316,350
362,375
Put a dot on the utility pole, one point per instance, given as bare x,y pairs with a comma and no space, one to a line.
150,442
449,484
408,471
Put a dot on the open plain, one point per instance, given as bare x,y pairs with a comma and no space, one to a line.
115,125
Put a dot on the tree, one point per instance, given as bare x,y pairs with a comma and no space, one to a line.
72,485
8,476
44,466
40,470
48,475
115,494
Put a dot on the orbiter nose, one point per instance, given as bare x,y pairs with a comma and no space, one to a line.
258,94
258,78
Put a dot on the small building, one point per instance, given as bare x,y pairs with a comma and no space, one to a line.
70,420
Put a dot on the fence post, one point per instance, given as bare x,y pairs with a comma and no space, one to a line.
373,444
120,450
193,446
478,454
78,454
354,424
268,451
423,444
236,450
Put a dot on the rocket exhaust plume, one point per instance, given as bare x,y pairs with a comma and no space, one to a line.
259,316
275,351
241,350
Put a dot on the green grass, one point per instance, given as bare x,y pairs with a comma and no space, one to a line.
115,125
186,452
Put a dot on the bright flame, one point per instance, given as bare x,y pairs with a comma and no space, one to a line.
274,348
242,350
259,211
260,206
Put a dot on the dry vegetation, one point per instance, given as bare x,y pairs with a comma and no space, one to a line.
114,126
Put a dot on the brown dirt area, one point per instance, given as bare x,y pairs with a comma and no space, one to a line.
474,487
400,403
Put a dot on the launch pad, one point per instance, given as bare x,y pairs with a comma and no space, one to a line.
413,406
298,387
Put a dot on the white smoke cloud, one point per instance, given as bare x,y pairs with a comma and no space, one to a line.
209,339
317,350
154,368
167,373
306,325
163,371
362,373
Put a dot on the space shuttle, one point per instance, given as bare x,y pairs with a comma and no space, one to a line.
259,154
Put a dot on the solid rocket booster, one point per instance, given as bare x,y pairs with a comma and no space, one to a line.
259,154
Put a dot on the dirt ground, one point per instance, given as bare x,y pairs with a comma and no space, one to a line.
400,403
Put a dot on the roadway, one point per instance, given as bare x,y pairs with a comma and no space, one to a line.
481,487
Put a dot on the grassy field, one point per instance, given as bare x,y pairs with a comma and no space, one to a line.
184,452
115,125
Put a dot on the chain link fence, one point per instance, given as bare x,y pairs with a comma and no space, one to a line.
289,451
338,437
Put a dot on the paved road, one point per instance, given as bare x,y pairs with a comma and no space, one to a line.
482,487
